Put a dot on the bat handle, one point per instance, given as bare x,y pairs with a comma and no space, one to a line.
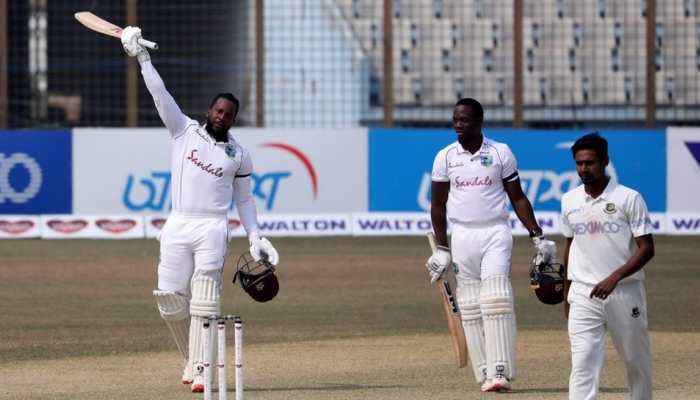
432,242
148,43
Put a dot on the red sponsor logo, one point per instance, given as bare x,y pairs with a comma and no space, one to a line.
67,226
112,226
158,222
233,223
16,227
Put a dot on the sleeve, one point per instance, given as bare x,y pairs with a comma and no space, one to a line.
439,173
564,224
243,195
510,165
638,216
168,110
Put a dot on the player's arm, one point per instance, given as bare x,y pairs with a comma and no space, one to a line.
567,281
168,110
248,213
438,211
546,249
243,196
640,226
641,256
441,258
511,184
521,205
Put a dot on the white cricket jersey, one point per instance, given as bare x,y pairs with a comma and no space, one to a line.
203,171
206,175
476,180
603,231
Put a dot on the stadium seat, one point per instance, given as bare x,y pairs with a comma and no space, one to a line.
675,10
665,88
536,88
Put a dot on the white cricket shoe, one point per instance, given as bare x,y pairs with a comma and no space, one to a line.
498,383
187,373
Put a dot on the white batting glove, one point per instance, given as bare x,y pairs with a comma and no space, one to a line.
261,248
130,41
438,263
546,250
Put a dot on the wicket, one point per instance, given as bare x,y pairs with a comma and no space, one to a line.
221,356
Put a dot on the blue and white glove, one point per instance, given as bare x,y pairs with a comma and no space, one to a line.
261,248
438,263
546,250
130,42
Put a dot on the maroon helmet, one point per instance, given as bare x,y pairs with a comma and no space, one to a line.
547,280
257,278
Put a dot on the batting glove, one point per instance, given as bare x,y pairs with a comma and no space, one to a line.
438,263
546,250
130,41
261,248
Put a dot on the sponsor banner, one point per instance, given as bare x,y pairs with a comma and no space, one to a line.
19,226
683,223
549,221
658,223
296,225
295,170
391,224
35,172
683,170
65,226
401,160
153,224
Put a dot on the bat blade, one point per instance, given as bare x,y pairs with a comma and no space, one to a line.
97,24
454,321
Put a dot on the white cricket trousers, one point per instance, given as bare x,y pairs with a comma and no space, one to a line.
191,245
481,250
624,314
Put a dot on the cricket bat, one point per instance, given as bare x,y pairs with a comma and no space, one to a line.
97,24
454,321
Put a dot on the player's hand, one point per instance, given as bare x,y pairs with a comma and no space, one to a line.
130,41
546,250
438,263
603,289
261,248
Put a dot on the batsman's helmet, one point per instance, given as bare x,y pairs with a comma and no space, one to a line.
547,280
257,278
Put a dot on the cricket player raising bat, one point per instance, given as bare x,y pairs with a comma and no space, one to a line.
471,180
208,169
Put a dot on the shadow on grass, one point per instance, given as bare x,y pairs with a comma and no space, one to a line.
564,390
330,387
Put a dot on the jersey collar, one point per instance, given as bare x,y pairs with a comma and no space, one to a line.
607,192
483,150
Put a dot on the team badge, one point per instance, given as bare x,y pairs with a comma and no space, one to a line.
609,208
230,150
486,160
635,312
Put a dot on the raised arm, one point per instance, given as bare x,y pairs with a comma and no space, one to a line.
168,110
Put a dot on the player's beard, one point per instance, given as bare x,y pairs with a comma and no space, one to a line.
218,134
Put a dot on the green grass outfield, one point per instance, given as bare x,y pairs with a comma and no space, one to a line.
355,319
